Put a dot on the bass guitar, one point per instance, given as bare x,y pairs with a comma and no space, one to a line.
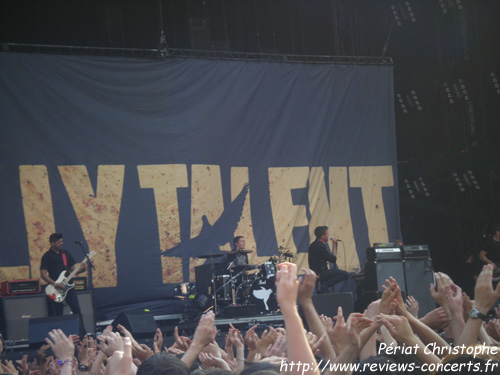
58,295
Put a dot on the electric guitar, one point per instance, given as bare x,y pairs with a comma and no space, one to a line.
58,295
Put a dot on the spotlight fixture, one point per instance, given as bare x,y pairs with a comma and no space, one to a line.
466,180
494,82
416,187
400,13
410,100
447,5
456,90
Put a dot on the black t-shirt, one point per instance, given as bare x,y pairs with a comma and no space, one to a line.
54,264
492,249
319,255
240,259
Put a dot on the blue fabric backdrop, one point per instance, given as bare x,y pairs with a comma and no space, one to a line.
155,162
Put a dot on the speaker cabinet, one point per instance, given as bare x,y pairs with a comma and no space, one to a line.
419,275
87,309
140,324
203,276
17,312
388,268
39,328
329,302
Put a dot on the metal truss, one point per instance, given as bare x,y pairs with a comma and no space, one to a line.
199,54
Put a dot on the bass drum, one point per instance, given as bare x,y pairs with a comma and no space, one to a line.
261,293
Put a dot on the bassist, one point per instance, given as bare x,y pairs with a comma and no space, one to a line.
54,261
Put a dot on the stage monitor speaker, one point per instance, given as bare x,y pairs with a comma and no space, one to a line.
40,327
16,313
140,324
419,275
329,302
387,269
87,309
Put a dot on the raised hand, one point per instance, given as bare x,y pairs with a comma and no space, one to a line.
412,306
485,295
205,331
356,322
398,327
181,342
287,287
306,286
267,338
158,341
111,343
61,345
338,334
278,348
210,360
120,362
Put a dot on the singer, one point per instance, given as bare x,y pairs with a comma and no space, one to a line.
319,255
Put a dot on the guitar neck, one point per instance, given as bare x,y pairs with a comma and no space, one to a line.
72,274
75,271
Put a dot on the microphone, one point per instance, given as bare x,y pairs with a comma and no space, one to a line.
79,242
338,240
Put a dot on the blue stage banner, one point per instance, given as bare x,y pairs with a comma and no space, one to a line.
153,163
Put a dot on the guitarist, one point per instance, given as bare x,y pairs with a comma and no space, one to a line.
54,261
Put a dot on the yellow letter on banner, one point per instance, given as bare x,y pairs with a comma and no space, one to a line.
335,214
206,196
286,215
98,214
206,200
371,180
39,219
165,180
239,178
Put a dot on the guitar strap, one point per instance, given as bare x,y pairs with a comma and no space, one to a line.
65,261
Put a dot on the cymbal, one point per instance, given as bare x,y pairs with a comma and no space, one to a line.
240,252
213,255
284,248
246,266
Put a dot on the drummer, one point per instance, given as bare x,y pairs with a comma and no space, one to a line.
238,255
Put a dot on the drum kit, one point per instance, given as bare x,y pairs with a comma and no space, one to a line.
248,284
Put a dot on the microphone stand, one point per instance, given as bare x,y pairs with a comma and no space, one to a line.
90,282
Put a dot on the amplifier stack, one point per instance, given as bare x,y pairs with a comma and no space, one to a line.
18,287
410,265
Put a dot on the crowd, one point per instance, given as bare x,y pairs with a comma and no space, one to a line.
388,338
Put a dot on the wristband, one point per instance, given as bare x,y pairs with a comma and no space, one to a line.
61,362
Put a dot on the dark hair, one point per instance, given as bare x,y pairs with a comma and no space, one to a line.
218,371
495,228
320,231
54,237
163,364
236,239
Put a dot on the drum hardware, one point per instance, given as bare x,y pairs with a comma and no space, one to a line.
268,270
211,256
240,252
